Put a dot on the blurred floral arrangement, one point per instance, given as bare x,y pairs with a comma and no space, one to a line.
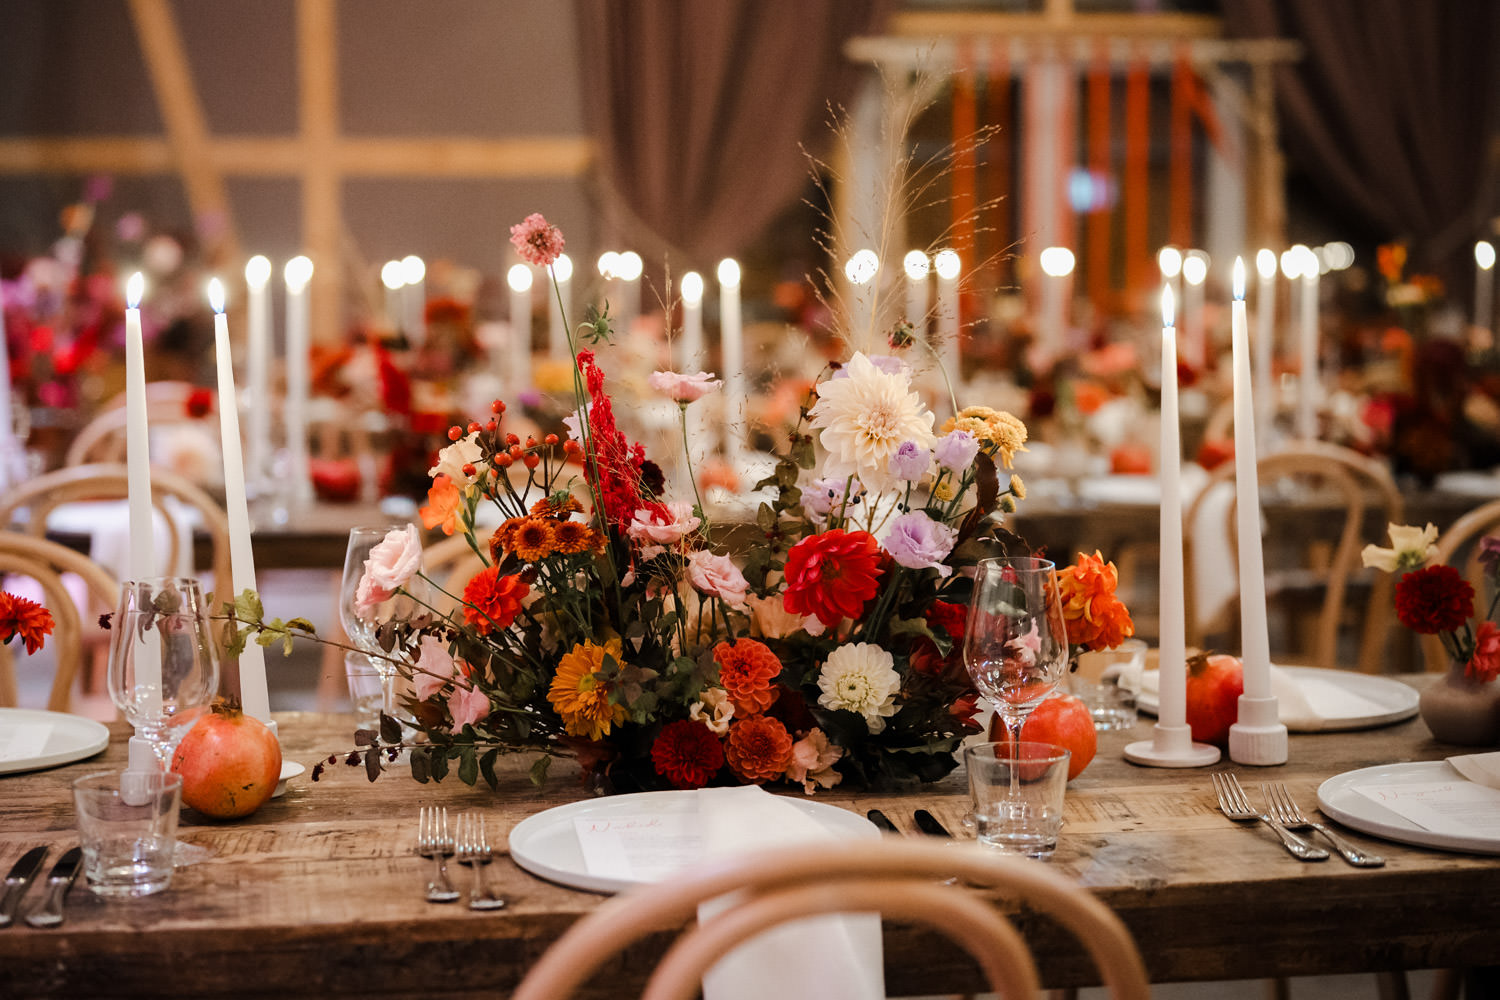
622,634
1435,599
24,618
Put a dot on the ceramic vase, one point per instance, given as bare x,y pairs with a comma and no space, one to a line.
1462,711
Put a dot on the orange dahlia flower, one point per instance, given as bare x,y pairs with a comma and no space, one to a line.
758,749
492,601
1096,618
748,671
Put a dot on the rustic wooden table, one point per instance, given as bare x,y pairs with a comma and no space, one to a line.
320,894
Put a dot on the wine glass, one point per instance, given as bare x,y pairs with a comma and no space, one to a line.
163,664
363,631
1015,641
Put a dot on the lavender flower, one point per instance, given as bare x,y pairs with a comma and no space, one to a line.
911,462
916,541
955,451
825,496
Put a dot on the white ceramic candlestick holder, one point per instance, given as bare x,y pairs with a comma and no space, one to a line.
1171,746
1258,738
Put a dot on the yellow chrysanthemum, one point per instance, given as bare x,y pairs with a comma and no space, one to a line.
1017,487
1003,431
578,694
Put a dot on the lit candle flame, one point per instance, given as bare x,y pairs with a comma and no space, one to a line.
916,265
1168,307
298,272
518,277
1265,263
216,295
1239,278
391,275
729,272
258,271
947,263
135,288
692,288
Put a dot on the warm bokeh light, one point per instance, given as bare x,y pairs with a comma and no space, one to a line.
1169,259
1195,267
257,271
947,264
1484,254
729,272
518,277
609,264
692,288
862,267
392,275
562,268
298,272
1291,264
1265,263
916,265
630,266
1056,261
413,270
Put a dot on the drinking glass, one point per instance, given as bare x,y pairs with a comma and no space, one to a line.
163,665
362,632
1015,641
129,841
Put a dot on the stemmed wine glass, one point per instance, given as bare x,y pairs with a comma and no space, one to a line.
163,664
362,631
1015,640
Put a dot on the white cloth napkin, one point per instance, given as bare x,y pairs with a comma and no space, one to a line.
822,958
1480,768
1305,703
108,524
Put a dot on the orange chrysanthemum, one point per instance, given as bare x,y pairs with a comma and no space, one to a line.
1096,618
492,601
748,670
534,539
443,504
24,618
502,541
758,749
570,537
581,696
556,505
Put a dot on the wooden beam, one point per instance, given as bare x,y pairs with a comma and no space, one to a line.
105,154
187,134
925,24
322,192
537,156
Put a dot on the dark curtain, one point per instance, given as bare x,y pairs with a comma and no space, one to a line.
1394,112
700,107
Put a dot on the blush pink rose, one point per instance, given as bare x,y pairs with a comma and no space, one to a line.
392,563
467,705
717,576
684,388
434,667
663,525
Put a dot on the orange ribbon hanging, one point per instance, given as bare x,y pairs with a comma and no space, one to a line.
1180,165
1139,258
1099,174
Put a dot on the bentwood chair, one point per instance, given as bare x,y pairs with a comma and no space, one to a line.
47,563
102,439
1320,504
896,878
1458,547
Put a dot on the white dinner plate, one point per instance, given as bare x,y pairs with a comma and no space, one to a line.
1388,699
70,738
547,846
1340,800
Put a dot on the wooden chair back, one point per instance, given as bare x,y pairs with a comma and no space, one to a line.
1350,499
108,481
46,562
899,878
102,439
1458,546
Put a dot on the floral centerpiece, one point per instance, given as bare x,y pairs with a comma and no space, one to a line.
1435,599
611,624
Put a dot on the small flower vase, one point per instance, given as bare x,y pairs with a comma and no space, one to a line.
1462,711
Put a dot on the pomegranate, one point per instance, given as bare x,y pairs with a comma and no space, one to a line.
1062,720
1215,682
229,762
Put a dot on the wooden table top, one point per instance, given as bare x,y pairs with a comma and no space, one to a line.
319,893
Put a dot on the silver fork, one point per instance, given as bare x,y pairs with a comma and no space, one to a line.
433,842
1234,804
1288,815
474,852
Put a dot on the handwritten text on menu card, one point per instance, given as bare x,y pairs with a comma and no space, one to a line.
1456,808
645,848
24,740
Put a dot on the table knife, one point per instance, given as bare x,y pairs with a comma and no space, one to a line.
59,881
19,880
928,824
881,820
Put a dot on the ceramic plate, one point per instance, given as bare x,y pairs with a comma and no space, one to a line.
1338,798
547,846
1390,701
289,770
70,738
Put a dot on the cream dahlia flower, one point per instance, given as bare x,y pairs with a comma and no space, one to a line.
860,678
865,418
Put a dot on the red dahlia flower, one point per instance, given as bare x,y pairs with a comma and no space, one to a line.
27,619
492,601
687,754
832,575
1434,599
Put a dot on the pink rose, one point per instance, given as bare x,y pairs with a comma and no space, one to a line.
717,576
665,524
684,388
812,762
393,562
434,667
467,705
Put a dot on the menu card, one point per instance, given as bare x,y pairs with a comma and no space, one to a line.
23,740
1453,807
643,848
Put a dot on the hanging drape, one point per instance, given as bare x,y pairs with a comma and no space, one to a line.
1394,112
701,110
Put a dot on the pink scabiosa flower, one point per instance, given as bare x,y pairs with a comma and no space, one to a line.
538,242
683,388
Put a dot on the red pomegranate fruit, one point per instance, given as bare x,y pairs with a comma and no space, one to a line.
1062,720
1215,682
229,762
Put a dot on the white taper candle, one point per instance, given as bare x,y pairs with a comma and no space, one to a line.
297,273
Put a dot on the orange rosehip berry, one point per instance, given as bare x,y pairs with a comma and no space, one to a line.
550,439
532,460
469,469
502,461
512,439
530,441
515,451
490,425
473,426
497,407
455,432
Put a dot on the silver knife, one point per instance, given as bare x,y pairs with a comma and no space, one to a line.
59,881
19,880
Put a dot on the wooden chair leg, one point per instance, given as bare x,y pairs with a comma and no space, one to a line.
1279,988
8,693
1392,986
